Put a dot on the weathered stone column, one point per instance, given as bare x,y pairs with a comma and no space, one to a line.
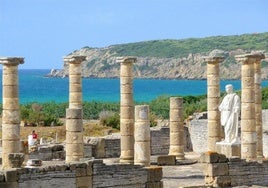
11,112
126,109
258,107
213,100
176,128
142,136
248,124
74,114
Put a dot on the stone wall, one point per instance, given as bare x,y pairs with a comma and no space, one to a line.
48,153
222,172
109,146
87,174
198,134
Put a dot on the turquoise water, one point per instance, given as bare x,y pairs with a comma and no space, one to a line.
34,87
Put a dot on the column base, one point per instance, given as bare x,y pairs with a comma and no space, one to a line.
229,149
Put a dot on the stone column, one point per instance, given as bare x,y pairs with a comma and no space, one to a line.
10,113
248,124
126,109
74,114
258,107
142,136
213,100
176,128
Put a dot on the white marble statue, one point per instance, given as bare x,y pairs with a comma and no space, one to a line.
230,110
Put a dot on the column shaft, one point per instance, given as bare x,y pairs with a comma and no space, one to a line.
126,110
10,113
142,136
248,111
176,128
213,100
74,114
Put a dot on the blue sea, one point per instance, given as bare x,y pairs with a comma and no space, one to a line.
35,87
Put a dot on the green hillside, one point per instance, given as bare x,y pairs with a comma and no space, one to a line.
181,48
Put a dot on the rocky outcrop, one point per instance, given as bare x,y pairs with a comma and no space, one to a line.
101,63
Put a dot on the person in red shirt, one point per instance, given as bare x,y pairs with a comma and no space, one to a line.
34,135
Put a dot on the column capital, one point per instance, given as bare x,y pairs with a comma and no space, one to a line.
11,60
213,59
76,59
127,59
253,57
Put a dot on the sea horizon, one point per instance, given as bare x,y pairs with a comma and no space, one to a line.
35,87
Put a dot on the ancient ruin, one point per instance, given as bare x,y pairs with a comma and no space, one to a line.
176,128
248,122
126,109
142,136
11,156
213,93
74,114
137,157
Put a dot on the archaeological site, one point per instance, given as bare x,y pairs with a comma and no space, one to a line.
223,147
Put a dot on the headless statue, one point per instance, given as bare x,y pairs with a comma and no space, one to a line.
230,109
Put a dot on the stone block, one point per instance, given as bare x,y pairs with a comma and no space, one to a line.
10,104
212,157
176,115
154,184
11,175
142,153
75,79
127,127
154,173
9,184
216,169
14,160
75,149
229,150
10,79
125,70
126,99
126,80
213,103
34,162
10,91
166,160
99,145
75,125
11,117
84,182
213,80
74,137
75,97
127,112
142,131
10,132
74,113
75,87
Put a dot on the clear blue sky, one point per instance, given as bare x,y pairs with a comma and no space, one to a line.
43,31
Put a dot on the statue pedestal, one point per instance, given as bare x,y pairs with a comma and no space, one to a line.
229,149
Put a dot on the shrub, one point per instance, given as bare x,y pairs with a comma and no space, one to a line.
110,119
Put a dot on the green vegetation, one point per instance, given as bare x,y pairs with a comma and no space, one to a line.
46,114
181,48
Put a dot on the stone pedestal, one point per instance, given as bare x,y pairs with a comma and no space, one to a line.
248,112
74,114
176,128
126,109
228,149
142,136
11,112
213,100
